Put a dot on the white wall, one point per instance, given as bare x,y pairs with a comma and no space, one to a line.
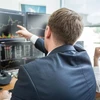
83,6
51,5
9,4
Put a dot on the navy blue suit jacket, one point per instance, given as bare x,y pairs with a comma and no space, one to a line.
65,74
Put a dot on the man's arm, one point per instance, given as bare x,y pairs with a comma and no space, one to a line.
96,56
40,45
38,42
97,68
97,76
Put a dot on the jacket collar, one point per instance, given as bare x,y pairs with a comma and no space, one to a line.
62,49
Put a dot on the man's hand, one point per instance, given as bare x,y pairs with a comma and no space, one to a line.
96,56
23,32
5,95
97,52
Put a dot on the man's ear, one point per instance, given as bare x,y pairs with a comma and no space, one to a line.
48,32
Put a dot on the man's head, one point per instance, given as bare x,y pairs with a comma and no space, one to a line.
64,26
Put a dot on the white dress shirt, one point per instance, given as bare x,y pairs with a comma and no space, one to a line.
97,76
34,38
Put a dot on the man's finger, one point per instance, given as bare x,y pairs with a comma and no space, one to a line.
19,32
21,27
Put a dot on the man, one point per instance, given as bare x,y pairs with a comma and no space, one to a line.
66,72
97,68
